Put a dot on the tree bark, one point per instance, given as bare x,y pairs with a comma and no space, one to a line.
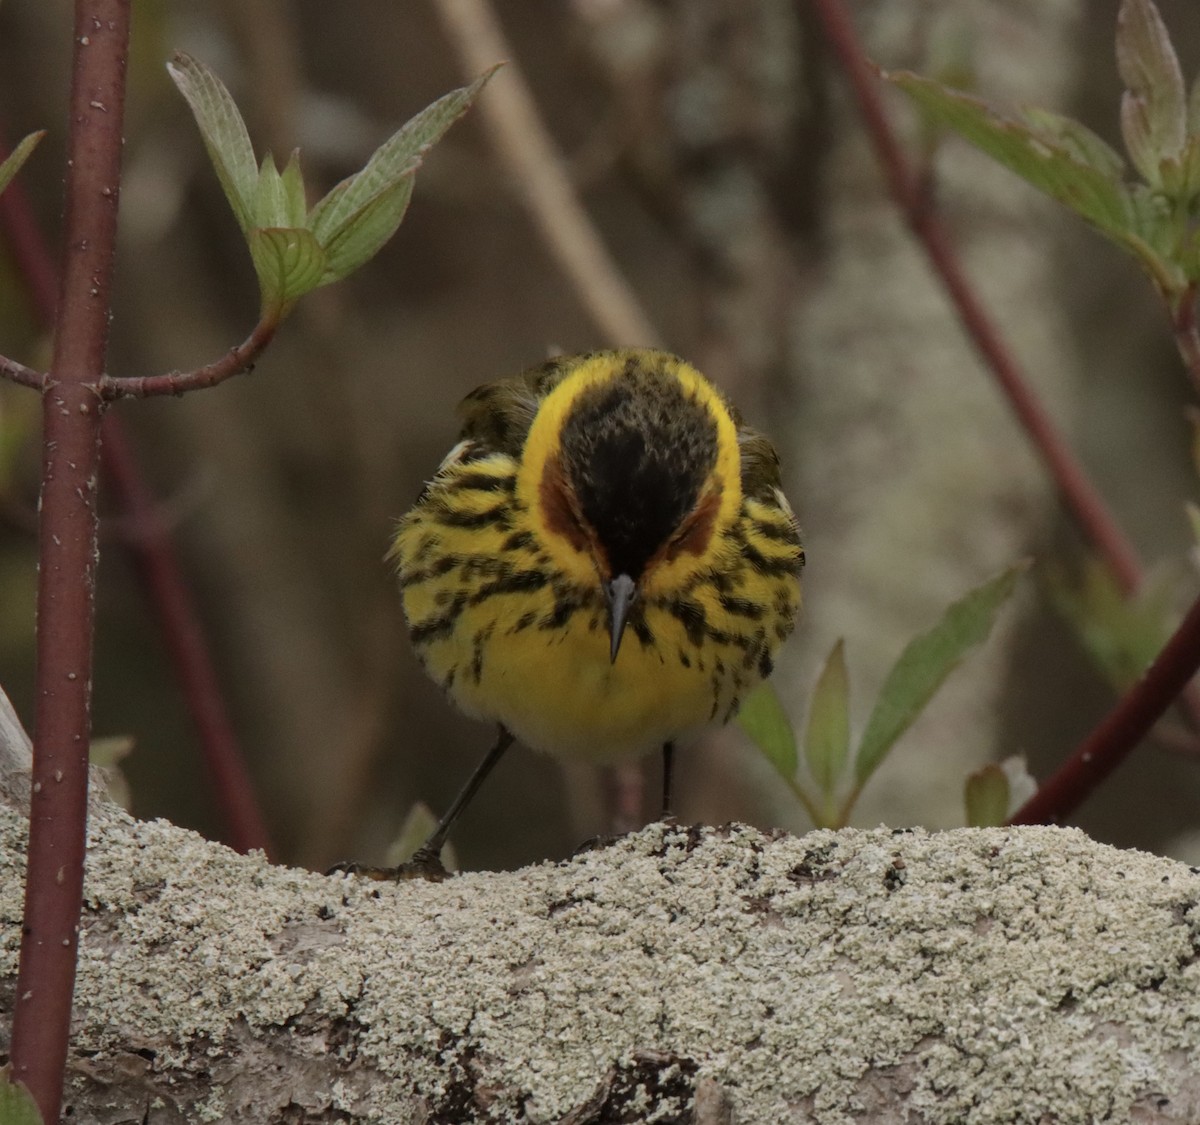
700,974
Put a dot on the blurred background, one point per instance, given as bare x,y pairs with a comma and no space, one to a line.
718,156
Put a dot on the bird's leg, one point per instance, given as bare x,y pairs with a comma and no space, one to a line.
668,763
426,861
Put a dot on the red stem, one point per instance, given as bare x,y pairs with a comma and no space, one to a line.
154,556
22,375
233,362
67,556
1080,496
1122,729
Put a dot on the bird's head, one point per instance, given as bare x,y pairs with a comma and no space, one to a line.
631,469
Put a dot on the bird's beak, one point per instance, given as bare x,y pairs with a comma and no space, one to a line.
621,592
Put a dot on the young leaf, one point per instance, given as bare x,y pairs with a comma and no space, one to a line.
362,212
764,720
1121,634
270,204
223,130
12,165
925,663
1068,163
358,240
1076,139
17,1106
827,737
986,795
294,200
399,156
289,262
1154,108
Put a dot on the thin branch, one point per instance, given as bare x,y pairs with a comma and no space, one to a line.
528,151
71,416
1080,495
156,561
234,362
1123,728
154,556
21,375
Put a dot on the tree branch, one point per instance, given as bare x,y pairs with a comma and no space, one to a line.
679,967
1124,727
234,362
21,375
154,556
71,416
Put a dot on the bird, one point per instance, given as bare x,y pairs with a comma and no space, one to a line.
603,565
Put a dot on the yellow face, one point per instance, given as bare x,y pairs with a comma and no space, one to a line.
549,493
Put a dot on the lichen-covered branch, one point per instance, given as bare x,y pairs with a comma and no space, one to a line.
1004,974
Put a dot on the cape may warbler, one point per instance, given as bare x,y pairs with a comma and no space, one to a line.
604,562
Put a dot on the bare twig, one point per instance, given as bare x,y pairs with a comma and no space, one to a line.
234,362
154,556
538,171
22,375
1082,499
67,555
1123,728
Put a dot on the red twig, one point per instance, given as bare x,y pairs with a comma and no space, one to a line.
19,373
1080,496
156,561
1126,725
233,362
154,556
67,559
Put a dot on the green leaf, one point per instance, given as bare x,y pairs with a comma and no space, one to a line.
16,158
1154,109
17,1106
224,133
827,737
294,200
289,262
1121,634
766,723
1065,161
986,794
270,202
362,212
279,198
1077,140
924,665
358,240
